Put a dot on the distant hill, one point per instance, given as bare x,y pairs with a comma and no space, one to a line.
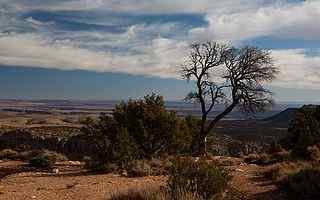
284,117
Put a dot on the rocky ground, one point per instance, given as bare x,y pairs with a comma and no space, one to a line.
249,180
72,182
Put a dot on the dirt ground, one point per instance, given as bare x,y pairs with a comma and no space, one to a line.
249,180
73,182
70,183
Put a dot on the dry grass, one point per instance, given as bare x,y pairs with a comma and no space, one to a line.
57,157
280,156
152,167
256,158
281,171
151,194
10,154
162,194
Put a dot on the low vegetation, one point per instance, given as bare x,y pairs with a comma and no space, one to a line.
201,178
189,179
148,167
98,166
46,159
26,155
145,194
304,132
9,154
41,161
137,130
141,138
304,184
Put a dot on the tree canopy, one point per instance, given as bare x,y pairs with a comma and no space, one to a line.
228,75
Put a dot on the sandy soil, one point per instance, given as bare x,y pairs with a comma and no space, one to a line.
249,180
74,183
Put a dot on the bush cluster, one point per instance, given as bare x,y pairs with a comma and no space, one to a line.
17,154
45,159
189,179
158,194
41,161
148,167
304,184
9,154
202,178
303,132
97,166
139,129
146,194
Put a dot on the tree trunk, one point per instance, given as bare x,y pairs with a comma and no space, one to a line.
202,145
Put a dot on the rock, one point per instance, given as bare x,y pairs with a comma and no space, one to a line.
55,170
124,173
74,163
243,164
196,159
253,165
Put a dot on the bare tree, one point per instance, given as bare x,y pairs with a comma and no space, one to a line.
223,74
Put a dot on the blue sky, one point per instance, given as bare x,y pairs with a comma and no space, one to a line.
116,49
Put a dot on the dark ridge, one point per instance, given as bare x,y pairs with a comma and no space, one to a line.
284,117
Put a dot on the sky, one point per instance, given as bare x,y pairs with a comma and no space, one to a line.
119,49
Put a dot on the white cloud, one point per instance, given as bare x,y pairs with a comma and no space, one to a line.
146,52
37,22
280,20
138,6
296,69
161,58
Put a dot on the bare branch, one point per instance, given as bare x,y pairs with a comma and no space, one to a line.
245,71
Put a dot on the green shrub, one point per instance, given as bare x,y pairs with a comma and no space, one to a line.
41,161
43,158
112,142
138,129
98,166
303,132
304,184
204,179
52,155
190,135
314,153
27,155
23,154
151,126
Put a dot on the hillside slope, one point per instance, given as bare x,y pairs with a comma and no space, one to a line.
284,117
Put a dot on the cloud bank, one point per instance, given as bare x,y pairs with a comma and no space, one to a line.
144,37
